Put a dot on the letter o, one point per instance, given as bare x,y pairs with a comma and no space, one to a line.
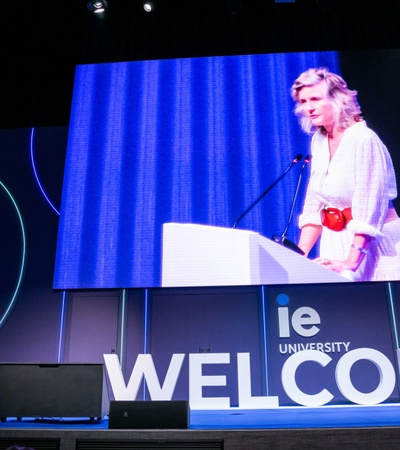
387,376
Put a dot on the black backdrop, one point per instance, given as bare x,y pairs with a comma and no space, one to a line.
42,41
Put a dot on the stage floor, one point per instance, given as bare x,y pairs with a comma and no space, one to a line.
348,416
344,427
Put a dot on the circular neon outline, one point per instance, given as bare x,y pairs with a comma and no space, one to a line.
36,173
14,296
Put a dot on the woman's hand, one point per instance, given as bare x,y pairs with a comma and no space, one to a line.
335,264
357,252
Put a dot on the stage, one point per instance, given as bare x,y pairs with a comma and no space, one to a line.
287,427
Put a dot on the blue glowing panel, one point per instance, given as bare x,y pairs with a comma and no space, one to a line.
184,140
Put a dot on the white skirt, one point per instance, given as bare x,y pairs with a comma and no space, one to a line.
382,262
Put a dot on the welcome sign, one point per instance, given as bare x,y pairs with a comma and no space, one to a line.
324,348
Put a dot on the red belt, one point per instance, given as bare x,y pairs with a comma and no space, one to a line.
335,219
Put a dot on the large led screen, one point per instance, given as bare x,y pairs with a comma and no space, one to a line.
184,141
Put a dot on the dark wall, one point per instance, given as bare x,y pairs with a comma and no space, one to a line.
31,331
43,41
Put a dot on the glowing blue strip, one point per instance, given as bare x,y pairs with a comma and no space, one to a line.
145,331
62,326
264,335
122,328
391,302
35,172
146,322
23,259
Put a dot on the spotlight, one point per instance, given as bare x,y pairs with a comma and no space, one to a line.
147,7
97,6
234,7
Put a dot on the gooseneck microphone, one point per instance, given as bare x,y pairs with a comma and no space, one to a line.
282,239
295,160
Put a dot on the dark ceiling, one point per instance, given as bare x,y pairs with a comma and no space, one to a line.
42,41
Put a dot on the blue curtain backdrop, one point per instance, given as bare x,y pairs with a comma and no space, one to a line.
183,140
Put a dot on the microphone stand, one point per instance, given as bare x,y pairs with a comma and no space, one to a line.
282,239
296,160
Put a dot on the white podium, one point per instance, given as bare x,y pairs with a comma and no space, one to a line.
200,255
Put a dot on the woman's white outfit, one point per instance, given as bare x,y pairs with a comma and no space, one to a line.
360,176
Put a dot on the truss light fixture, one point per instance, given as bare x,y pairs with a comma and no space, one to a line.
97,6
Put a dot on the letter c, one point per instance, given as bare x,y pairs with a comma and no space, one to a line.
289,378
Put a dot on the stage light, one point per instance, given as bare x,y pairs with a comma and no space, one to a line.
97,6
234,7
148,7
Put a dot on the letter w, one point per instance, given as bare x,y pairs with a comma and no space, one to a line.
144,368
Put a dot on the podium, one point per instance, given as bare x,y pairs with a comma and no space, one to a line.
201,255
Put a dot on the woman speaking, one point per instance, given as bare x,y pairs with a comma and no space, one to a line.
352,183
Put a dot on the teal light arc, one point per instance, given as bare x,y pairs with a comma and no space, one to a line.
14,295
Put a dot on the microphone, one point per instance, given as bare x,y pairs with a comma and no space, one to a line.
295,160
282,239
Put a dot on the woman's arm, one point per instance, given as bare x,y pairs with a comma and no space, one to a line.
308,237
357,252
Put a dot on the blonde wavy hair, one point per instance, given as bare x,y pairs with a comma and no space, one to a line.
343,99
